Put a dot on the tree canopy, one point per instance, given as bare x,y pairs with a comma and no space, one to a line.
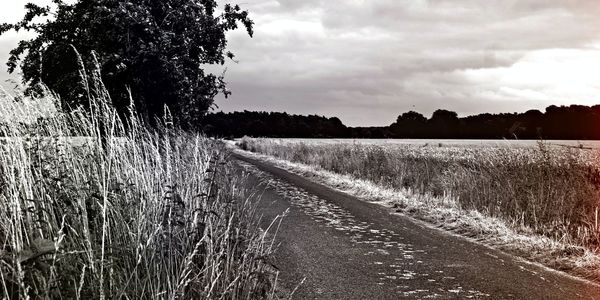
575,122
154,49
272,124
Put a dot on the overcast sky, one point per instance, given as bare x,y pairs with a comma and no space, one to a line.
366,61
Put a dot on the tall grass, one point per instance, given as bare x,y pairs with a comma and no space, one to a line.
90,210
549,191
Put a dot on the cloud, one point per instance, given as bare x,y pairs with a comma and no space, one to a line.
7,42
12,12
368,61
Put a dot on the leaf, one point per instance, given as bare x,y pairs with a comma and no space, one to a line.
37,248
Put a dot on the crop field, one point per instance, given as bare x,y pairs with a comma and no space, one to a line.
91,210
538,188
455,143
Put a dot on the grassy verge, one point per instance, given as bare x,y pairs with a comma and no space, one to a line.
90,210
540,203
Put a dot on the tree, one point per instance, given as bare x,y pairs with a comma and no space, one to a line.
411,117
155,49
443,123
444,116
409,125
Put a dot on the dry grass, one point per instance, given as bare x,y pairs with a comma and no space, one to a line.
548,192
89,210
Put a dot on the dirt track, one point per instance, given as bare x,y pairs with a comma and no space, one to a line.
346,248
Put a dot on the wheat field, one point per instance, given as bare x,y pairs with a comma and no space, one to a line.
546,192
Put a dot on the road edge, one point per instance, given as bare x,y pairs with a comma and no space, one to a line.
302,170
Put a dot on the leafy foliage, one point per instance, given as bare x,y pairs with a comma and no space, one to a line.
150,50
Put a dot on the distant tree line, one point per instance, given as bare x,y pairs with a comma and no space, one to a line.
576,122
272,124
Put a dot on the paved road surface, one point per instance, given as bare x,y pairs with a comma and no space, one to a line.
345,248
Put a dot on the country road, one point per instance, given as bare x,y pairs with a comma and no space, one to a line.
341,247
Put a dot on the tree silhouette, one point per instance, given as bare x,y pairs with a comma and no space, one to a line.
443,123
573,122
155,48
410,124
273,124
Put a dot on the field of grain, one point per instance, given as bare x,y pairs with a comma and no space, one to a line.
90,210
540,189
456,143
